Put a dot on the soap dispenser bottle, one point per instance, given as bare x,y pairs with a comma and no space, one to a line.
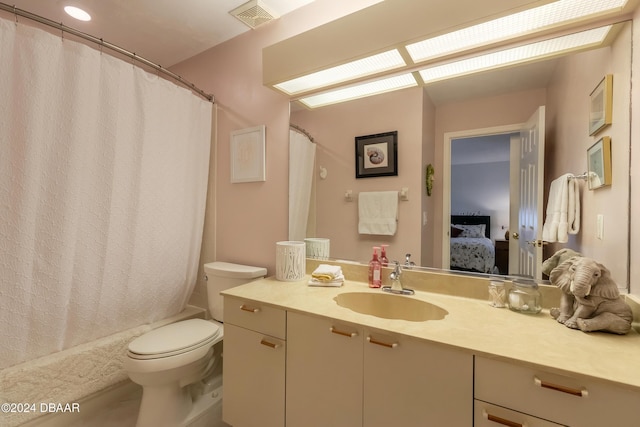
375,270
384,261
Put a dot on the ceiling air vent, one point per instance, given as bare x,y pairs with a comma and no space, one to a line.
253,13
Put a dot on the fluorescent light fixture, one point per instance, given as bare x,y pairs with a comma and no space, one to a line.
360,68
510,26
360,91
517,55
77,13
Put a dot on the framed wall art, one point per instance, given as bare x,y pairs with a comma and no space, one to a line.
600,110
377,155
599,163
247,152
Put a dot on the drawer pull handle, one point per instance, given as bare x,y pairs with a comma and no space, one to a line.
382,343
245,307
343,333
561,388
269,344
502,421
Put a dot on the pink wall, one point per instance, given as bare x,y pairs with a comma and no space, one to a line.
250,217
334,128
634,235
568,139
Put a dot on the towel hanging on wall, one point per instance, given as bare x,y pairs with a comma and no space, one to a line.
563,210
378,212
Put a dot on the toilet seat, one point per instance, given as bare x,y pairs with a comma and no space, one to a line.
174,339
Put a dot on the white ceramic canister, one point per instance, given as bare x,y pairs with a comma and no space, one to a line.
290,260
317,247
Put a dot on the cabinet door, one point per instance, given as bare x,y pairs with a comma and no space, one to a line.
412,383
253,378
324,372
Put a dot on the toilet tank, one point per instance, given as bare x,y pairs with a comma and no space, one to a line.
224,275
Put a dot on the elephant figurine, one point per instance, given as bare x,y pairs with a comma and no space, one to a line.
590,298
558,258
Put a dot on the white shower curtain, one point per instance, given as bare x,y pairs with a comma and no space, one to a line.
302,154
103,180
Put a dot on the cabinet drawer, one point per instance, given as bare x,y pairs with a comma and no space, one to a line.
565,400
255,316
487,415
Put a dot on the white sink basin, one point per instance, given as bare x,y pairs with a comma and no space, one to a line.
389,306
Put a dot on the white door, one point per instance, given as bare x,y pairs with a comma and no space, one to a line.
526,240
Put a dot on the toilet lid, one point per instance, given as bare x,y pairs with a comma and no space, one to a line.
175,338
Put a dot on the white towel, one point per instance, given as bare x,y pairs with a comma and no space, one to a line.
563,210
337,282
327,275
378,212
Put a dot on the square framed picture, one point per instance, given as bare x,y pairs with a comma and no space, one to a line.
599,163
247,152
600,110
377,155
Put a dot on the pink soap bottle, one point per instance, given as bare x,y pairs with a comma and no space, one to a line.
384,261
375,270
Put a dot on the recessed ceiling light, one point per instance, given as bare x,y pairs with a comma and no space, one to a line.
517,55
510,26
360,68
77,13
360,91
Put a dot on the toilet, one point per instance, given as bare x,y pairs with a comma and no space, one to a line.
179,366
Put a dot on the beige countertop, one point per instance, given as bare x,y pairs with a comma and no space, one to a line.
472,325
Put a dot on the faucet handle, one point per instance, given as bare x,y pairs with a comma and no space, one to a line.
397,271
407,261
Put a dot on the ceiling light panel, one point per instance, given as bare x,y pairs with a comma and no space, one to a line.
530,52
360,91
514,25
361,68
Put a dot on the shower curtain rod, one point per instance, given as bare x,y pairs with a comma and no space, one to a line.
302,131
60,26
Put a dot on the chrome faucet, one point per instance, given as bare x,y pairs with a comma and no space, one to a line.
396,285
408,264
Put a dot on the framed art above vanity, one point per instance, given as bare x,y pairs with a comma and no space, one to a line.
377,155
599,163
601,107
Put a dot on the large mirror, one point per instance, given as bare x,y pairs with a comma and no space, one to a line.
473,111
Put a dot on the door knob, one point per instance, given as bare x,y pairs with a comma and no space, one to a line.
516,235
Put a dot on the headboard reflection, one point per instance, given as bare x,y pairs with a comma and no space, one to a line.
473,220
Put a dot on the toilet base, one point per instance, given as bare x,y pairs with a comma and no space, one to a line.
181,408
207,411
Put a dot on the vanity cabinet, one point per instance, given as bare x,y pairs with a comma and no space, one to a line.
345,375
254,364
409,382
324,372
557,398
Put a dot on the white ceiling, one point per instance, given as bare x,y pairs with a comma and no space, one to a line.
163,31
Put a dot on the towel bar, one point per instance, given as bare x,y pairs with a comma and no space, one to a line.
581,176
403,195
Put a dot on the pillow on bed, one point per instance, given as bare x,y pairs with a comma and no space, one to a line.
468,230
455,231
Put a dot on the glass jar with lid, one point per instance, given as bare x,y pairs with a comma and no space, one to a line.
497,292
524,297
